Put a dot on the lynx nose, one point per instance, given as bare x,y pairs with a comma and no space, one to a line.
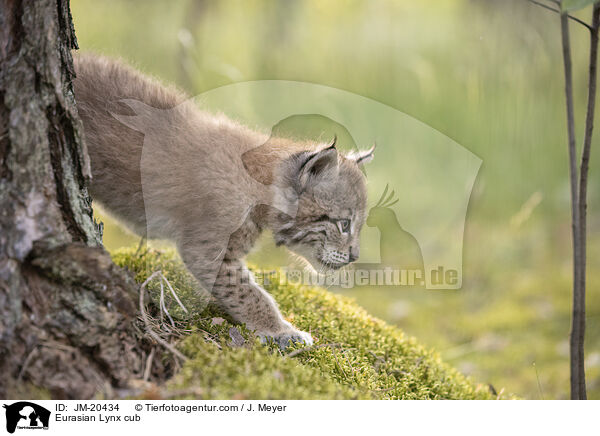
353,255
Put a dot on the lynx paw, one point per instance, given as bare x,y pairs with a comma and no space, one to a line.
285,339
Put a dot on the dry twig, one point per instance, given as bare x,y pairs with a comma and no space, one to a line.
146,320
148,369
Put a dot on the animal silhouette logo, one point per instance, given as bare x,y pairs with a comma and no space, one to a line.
26,415
398,247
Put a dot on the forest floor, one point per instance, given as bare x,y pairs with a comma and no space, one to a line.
355,355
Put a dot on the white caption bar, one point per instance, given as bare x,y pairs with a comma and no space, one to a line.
298,417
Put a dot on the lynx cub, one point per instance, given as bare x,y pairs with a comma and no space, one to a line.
167,169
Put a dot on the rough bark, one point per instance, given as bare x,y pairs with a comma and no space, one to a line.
66,311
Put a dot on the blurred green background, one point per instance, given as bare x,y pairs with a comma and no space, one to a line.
486,73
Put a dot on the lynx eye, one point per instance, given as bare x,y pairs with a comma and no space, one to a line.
343,225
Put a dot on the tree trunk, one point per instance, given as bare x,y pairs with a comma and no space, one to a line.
67,312
577,338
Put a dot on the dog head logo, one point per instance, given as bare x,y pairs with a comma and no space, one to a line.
26,415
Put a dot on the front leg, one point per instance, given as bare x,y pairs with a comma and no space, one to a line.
215,263
246,302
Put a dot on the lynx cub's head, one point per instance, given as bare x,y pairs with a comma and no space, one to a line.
332,199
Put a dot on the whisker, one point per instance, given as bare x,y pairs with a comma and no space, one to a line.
392,203
389,197
382,195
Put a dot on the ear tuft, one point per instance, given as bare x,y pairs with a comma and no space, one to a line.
333,142
362,157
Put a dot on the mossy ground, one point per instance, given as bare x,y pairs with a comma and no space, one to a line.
356,356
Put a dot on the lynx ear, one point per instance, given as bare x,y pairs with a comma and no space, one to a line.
362,157
318,165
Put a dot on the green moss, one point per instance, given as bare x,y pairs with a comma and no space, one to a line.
145,262
356,355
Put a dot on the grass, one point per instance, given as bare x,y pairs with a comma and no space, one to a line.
355,355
